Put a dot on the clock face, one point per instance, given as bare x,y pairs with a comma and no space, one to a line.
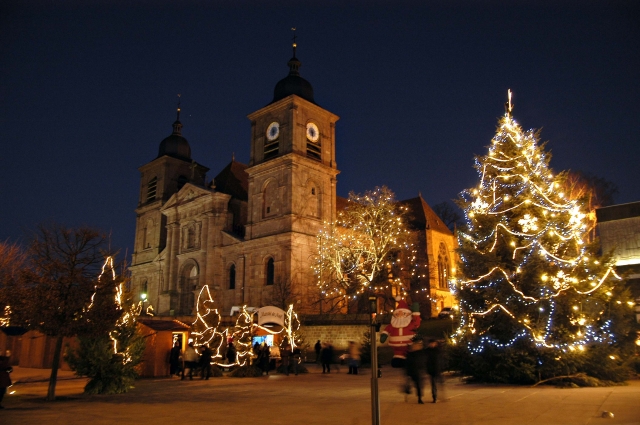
273,131
312,132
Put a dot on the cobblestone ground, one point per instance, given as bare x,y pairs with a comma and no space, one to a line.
317,398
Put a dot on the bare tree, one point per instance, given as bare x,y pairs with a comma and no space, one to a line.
448,214
60,286
595,192
12,261
283,293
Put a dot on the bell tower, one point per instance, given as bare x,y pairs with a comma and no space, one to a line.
292,170
159,180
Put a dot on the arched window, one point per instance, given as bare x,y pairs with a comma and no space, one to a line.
443,266
151,189
232,277
270,272
269,200
189,279
313,200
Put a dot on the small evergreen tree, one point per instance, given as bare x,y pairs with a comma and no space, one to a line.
109,357
536,300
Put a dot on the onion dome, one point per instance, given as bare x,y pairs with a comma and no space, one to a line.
175,145
293,83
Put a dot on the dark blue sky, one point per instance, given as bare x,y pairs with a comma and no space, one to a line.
89,90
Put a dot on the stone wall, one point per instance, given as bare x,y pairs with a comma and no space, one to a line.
338,335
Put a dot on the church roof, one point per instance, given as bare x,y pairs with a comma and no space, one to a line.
422,217
233,180
293,83
341,203
175,145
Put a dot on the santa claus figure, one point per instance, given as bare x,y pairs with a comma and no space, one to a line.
401,330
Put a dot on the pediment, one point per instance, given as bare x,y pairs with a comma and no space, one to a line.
188,193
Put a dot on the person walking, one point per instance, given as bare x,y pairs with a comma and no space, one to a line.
414,367
354,358
326,357
433,366
5,379
231,354
296,354
263,358
285,355
190,358
205,361
174,359
318,348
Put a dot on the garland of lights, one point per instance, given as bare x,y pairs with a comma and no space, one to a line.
354,250
205,331
519,208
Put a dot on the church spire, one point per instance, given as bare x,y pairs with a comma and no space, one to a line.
294,63
177,126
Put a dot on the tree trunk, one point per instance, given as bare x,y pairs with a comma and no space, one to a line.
51,393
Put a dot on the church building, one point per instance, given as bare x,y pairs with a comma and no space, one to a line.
251,230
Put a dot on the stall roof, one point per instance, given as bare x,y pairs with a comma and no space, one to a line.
164,325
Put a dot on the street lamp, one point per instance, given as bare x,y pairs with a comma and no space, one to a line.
143,297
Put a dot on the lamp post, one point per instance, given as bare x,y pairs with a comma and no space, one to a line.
375,402
143,297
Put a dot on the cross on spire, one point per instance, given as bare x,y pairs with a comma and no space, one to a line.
294,41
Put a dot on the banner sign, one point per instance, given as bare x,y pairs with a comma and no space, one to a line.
270,314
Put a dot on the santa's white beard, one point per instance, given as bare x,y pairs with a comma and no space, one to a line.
400,322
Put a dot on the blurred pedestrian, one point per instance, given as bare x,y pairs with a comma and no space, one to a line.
414,367
231,353
285,355
297,355
433,366
326,357
354,358
318,348
174,359
5,379
190,358
205,361
263,358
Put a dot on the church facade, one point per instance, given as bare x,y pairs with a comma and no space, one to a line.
250,233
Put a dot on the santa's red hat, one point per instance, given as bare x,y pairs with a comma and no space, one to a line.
402,305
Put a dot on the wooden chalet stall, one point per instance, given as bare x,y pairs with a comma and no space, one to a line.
160,335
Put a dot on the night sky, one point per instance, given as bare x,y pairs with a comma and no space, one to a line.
90,90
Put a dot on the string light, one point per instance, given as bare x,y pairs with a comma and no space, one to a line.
518,209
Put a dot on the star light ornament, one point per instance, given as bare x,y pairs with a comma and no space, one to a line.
524,256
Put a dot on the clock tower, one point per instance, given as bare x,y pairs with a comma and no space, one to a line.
292,170
291,182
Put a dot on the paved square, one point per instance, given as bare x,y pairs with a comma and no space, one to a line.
317,398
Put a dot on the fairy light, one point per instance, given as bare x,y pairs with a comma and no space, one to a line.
519,208
206,330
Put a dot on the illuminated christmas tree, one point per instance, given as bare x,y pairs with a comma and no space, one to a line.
204,329
536,300
108,353
241,336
